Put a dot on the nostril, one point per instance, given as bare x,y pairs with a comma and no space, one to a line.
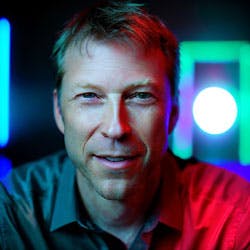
115,129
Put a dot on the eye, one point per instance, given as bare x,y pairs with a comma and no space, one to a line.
89,95
90,98
142,98
143,95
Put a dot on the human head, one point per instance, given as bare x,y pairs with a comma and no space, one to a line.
122,22
116,106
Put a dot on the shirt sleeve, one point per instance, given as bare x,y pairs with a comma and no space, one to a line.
9,236
243,233
18,230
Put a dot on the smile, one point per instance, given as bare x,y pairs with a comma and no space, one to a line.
115,159
116,162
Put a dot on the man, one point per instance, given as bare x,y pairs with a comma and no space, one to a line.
118,186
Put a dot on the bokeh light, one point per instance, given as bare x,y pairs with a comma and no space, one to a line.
214,110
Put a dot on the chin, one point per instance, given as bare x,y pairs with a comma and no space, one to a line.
115,190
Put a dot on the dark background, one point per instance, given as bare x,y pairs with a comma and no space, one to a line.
34,26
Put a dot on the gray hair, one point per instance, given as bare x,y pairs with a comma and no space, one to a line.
119,21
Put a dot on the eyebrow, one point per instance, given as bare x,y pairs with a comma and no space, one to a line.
140,84
87,85
146,82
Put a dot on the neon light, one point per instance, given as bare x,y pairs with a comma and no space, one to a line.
214,110
213,52
5,166
244,105
4,80
182,134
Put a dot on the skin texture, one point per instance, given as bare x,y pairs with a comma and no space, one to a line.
115,111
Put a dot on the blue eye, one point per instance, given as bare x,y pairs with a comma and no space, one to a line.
145,98
143,95
89,95
90,98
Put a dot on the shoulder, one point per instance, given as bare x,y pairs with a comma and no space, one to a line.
216,204
4,196
214,182
16,224
36,177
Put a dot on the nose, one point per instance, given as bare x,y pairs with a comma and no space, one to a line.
115,123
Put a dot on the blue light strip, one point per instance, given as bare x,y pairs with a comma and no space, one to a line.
4,80
5,167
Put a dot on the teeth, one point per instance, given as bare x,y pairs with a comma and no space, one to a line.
115,159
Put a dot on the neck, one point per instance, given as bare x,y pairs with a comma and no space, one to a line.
122,218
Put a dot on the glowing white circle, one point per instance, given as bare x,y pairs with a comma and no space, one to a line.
214,110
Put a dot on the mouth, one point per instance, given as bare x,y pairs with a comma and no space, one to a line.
116,158
116,162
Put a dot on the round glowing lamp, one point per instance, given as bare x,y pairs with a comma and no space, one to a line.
214,110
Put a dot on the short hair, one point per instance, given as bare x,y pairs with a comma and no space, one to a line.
119,21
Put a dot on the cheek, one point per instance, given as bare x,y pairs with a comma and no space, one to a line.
152,128
78,128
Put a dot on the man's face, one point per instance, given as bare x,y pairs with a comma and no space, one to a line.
115,113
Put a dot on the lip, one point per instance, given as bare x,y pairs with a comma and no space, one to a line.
116,162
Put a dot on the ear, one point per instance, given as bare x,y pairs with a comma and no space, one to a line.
174,115
57,111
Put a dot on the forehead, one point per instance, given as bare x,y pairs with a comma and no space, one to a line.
96,61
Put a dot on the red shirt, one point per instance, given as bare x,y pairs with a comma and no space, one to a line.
206,208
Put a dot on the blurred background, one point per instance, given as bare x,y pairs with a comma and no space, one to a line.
206,29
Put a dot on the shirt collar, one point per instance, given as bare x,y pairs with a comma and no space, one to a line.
65,209
171,209
168,209
169,205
